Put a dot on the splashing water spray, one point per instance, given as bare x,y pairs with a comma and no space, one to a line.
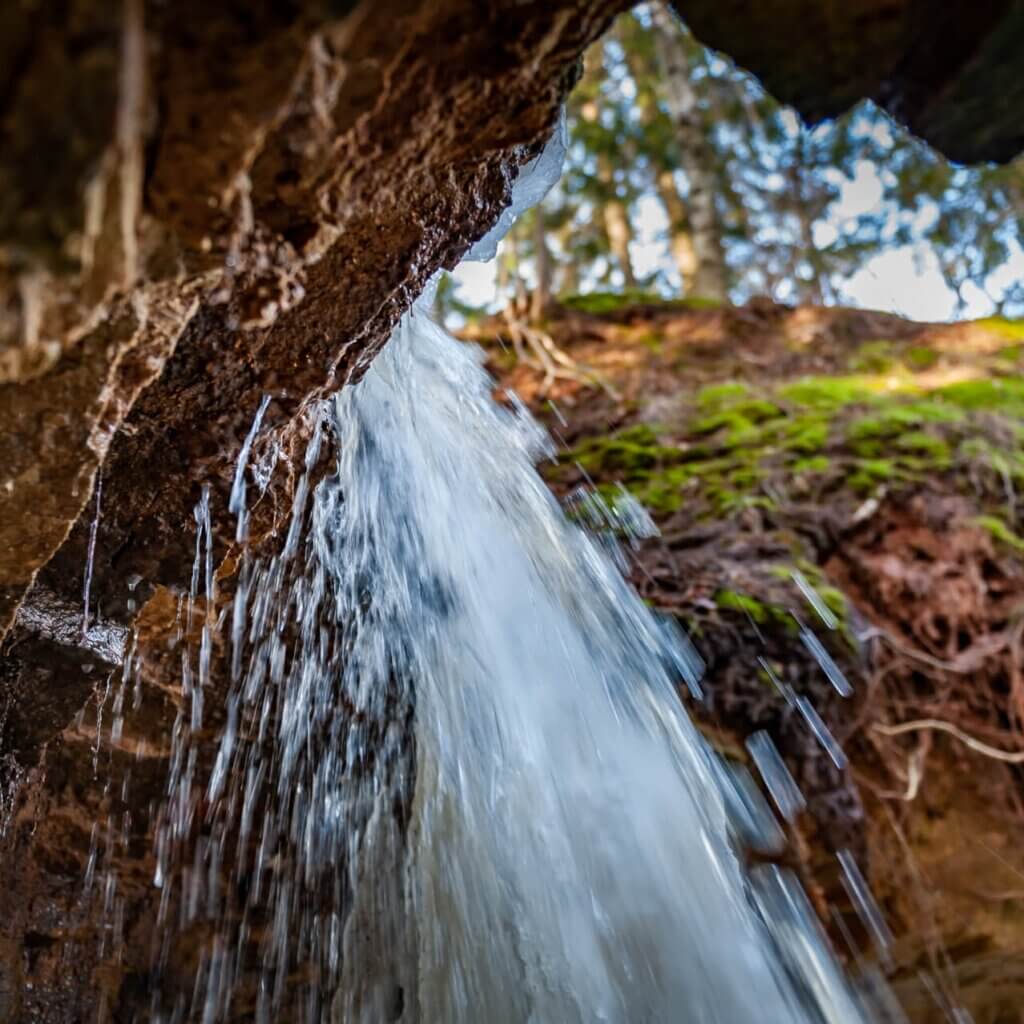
455,783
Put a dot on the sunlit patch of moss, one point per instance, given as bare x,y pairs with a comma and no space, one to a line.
829,392
1001,532
762,613
805,435
869,474
814,464
744,476
634,450
604,303
1011,354
1013,330
737,602
753,409
893,419
987,394
835,601
935,448
739,421
664,492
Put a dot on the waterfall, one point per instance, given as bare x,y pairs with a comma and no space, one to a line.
455,781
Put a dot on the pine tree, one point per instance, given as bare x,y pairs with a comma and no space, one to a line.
674,48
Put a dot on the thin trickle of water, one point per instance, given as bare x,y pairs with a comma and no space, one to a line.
777,778
784,689
237,503
90,555
813,598
832,671
454,780
870,914
822,732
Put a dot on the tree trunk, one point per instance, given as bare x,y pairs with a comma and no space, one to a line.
520,299
569,271
807,291
679,235
616,223
710,279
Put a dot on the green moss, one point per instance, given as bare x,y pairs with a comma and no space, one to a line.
814,464
631,453
727,503
1011,354
740,421
1001,532
1008,463
663,492
805,434
829,392
894,419
869,473
745,476
1012,330
737,602
873,357
716,396
995,394
652,342
762,612
697,302
603,303
926,444
835,601
920,358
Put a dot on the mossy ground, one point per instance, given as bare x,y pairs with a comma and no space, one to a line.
605,303
732,447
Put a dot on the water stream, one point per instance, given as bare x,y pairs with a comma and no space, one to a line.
455,781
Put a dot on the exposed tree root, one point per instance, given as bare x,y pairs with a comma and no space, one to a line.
536,348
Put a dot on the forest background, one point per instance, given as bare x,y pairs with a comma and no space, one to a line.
685,179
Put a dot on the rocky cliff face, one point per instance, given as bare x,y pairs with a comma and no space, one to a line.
202,204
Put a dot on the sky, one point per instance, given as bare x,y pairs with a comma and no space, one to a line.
901,280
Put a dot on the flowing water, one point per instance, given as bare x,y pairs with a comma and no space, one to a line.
455,781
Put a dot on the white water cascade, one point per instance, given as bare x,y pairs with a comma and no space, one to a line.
455,775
